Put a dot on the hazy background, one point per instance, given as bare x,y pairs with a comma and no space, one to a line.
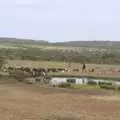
60,20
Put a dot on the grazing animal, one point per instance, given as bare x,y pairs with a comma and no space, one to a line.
75,70
91,70
83,67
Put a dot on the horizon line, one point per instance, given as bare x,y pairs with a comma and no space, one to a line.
23,38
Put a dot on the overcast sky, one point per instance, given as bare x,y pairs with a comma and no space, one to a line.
60,20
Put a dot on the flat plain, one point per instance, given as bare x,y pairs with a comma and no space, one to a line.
19,101
26,102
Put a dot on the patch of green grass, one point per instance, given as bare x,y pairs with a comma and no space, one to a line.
79,86
64,85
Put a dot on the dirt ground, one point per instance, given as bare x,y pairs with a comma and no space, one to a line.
29,102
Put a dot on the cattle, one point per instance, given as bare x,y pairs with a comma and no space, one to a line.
76,70
52,70
10,68
35,71
27,69
60,69
91,70
39,71
83,67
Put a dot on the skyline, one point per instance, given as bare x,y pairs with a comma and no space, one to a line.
58,20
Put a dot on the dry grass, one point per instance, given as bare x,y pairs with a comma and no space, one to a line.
58,64
24,102
31,63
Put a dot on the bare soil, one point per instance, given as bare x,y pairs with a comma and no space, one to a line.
29,102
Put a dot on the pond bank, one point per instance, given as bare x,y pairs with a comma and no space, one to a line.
115,78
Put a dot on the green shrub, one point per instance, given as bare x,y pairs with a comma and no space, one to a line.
109,87
64,85
105,83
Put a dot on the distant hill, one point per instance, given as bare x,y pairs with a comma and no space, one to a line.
113,44
90,43
21,41
74,51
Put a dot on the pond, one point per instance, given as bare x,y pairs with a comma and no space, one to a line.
80,80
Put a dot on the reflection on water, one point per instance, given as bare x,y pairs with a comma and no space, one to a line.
76,80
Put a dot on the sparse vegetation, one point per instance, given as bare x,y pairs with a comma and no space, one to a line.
89,52
19,102
64,85
107,85
87,86
22,101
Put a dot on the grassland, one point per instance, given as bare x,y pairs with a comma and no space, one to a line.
89,52
16,51
44,47
34,54
19,101
57,64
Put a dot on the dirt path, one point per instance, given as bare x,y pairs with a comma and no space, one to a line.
20,102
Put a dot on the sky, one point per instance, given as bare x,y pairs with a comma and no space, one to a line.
60,20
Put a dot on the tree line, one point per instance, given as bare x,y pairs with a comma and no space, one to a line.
60,55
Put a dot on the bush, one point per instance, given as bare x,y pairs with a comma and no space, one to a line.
110,87
64,85
105,83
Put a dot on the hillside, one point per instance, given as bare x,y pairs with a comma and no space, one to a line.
102,52
113,44
21,41
90,44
